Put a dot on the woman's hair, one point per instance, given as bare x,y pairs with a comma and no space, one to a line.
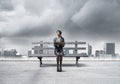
59,31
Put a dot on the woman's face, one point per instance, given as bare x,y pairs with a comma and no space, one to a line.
58,34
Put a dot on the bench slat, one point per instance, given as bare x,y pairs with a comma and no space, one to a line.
52,42
52,55
48,48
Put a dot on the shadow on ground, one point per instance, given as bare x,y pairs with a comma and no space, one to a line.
65,65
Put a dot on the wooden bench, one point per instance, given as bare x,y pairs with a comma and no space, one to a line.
44,50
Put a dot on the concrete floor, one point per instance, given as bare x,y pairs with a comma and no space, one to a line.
87,72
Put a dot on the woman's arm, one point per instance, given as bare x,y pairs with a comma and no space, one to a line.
61,43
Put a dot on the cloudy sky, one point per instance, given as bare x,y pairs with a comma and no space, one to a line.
26,21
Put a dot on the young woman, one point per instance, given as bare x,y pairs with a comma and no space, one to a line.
59,44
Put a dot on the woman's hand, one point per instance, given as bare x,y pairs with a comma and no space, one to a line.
60,43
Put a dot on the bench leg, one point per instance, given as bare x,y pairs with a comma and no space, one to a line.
77,59
40,59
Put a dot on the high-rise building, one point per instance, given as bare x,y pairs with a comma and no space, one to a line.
89,50
110,49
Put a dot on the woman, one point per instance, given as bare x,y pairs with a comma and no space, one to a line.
59,44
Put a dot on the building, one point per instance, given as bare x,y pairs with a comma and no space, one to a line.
89,50
10,53
110,49
99,53
29,52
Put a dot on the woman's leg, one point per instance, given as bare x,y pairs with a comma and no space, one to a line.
61,63
57,62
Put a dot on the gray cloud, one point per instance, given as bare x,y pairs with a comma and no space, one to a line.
37,32
6,5
39,17
100,18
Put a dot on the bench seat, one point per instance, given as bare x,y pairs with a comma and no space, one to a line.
40,56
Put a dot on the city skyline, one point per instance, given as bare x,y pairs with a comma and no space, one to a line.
90,51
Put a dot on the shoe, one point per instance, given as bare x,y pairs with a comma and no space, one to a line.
60,69
57,69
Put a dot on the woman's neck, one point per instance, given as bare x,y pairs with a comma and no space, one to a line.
59,36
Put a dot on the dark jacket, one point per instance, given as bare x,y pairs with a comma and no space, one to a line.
60,48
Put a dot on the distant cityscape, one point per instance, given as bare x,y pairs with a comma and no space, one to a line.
107,51
9,53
